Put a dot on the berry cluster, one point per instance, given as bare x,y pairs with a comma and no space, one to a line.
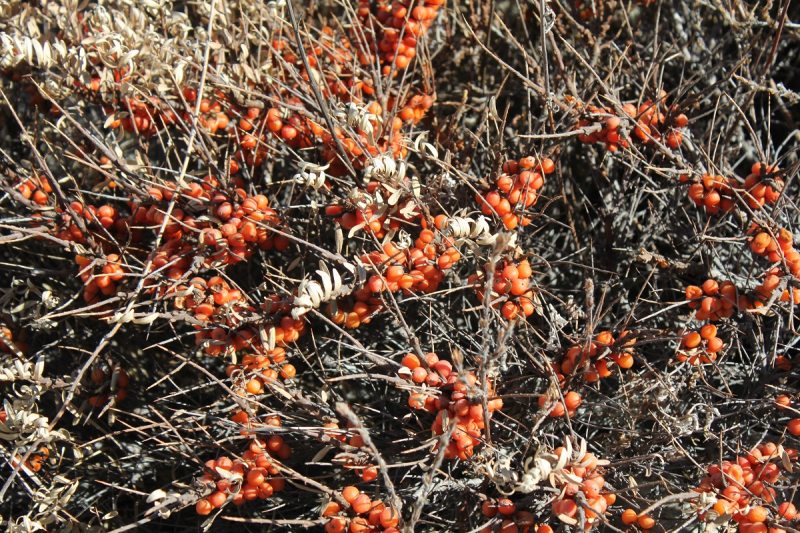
714,193
765,245
140,117
510,288
257,370
772,280
289,121
411,269
360,212
364,514
244,224
98,278
719,193
146,116
742,485
223,310
591,362
762,185
211,115
776,249
576,476
255,475
515,190
35,459
331,431
651,125
35,188
400,24
581,480
99,221
595,357
414,110
700,347
107,384
716,300
630,517
572,400
241,223
444,391
513,520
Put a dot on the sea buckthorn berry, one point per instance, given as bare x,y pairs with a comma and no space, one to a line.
350,494
331,509
288,371
389,517
566,507
629,516
645,522
217,499
710,287
691,339
337,524
411,361
782,401
787,510
203,507
572,400
757,514
506,507
708,331
714,345
489,508
361,504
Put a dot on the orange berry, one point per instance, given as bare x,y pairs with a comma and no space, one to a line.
757,514
350,494
203,507
510,310
710,287
646,522
691,339
714,345
511,273
361,504
254,387
506,507
782,401
489,509
566,507
288,371
693,292
331,509
629,517
389,517
572,399
411,361
708,331
337,524
787,510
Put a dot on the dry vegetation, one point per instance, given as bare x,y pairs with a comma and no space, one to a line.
427,265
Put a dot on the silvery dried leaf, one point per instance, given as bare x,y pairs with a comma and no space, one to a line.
320,454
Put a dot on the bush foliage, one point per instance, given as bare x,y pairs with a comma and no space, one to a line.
421,265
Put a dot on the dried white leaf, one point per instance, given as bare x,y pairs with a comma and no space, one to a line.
157,494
